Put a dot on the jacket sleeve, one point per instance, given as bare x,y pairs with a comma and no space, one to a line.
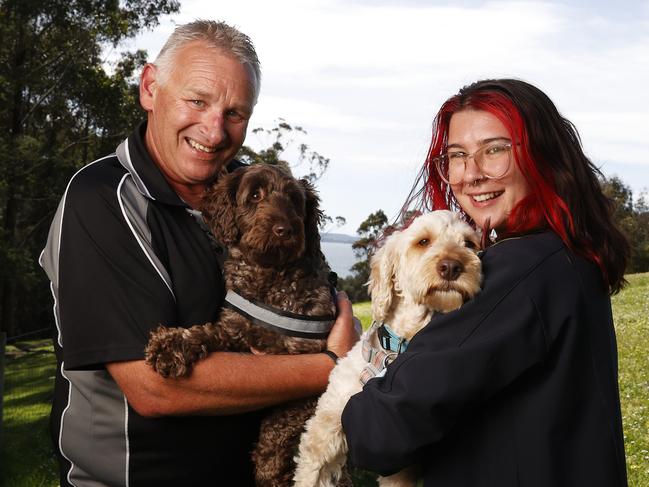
107,293
429,388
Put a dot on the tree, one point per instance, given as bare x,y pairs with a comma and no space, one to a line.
280,139
370,231
62,109
633,218
329,223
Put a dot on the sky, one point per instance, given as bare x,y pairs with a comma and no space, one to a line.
365,79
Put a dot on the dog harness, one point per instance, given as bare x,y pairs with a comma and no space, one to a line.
379,358
284,322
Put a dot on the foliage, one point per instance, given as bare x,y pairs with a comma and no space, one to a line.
633,218
329,223
62,110
280,139
370,231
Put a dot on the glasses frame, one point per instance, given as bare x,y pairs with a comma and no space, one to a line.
438,161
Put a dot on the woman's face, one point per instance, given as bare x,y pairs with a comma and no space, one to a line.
482,198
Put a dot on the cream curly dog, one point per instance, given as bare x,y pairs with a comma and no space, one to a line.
432,266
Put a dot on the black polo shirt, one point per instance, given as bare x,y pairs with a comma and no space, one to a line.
124,255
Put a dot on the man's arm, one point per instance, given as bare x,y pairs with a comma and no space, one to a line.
228,383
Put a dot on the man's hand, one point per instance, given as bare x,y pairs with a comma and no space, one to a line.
232,383
346,330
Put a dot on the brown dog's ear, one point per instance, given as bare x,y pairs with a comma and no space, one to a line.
312,220
381,285
219,205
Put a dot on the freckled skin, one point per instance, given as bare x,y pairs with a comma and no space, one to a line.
468,129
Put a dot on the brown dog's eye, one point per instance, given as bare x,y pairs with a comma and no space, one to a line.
256,196
423,242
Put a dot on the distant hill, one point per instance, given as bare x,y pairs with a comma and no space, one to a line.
337,237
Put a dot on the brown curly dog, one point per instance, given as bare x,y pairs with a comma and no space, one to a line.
268,221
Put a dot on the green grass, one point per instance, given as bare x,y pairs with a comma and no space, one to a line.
26,458
631,314
363,312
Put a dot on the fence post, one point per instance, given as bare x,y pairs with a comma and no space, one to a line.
3,343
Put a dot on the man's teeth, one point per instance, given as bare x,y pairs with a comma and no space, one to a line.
486,196
200,147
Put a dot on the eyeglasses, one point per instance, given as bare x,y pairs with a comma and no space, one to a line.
493,160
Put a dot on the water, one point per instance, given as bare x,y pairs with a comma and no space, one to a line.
340,257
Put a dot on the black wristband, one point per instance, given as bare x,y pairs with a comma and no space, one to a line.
331,355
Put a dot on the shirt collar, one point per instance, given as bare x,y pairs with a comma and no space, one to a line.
134,156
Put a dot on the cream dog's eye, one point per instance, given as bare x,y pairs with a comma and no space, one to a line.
423,242
470,244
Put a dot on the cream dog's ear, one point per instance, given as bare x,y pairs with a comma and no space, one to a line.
381,285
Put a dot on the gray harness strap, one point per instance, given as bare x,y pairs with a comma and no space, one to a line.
283,322
289,324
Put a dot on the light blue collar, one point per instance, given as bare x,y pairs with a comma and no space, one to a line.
389,340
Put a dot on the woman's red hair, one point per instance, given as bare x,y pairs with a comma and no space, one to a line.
565,193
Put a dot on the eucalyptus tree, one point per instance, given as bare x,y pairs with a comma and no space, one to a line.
68,95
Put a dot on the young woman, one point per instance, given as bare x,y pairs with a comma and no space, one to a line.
519,386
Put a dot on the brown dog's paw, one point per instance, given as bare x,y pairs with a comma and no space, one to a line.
170,354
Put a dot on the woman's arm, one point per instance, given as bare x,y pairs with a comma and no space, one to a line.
428,389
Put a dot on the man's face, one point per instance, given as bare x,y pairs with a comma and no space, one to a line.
198,116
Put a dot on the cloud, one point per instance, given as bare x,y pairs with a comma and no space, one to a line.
365,78
317,115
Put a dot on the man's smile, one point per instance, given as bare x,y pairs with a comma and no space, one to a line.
200,147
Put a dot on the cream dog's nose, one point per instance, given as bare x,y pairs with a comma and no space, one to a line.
449,269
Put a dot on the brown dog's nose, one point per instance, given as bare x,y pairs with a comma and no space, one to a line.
281,230
450,269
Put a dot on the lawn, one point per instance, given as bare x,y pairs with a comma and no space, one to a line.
631,313
27,459
363,312
26,456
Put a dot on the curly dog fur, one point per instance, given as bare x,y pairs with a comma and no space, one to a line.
268,221
431,266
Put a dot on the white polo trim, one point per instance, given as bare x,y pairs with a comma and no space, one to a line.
137,237
128,446
65,410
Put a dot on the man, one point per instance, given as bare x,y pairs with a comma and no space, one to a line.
125,254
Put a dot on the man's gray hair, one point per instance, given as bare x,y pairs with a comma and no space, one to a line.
218,35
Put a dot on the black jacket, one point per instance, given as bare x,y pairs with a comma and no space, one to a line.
516,388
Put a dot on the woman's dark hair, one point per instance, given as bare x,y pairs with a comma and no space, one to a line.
566,195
